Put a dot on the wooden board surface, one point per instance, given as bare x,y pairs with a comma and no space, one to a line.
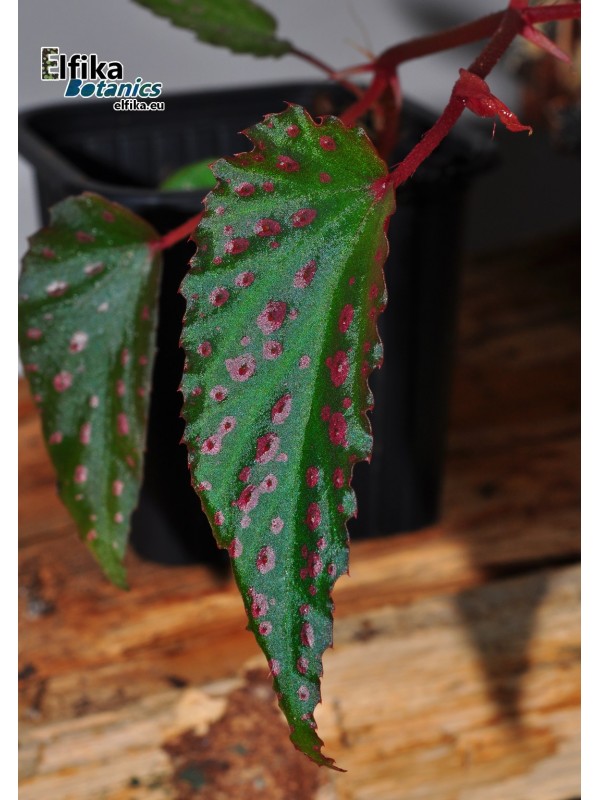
455,671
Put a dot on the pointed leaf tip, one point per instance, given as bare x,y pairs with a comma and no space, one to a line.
280,336
87,320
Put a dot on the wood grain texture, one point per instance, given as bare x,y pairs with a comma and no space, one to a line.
455,670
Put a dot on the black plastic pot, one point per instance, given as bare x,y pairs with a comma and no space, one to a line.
124,155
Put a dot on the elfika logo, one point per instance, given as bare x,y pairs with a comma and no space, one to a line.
89,76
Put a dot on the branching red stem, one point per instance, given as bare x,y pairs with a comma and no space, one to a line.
512,22
177,234
380,80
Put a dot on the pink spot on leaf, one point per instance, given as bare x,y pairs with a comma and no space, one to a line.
117,488
281,410
272,316
307,636
219,518
324,177
244,189
82,236
245,279
275,667
277,525
304,362
78,342
55,438
62,381
205,349
287,164
241,368
56,288
235,548
244,475
338,478
303,217
34,333
81,474
269,484
218,296
267,447
227,425
260,604
312,477
265,560
248,499
272,350
219,393
236,246
267,227
338,428
338,368
293,131
265,628
305,275
122,424
302,665
93,269
268,186
85,433
346,317
327,143
211,446
313,516
315,565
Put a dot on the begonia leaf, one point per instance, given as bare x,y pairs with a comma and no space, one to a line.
87,318
240,25
280,337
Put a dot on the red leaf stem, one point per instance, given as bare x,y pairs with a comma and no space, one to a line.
539,14
380,81
177,234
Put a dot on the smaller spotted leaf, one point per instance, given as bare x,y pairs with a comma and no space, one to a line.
280,337
87,318
240,25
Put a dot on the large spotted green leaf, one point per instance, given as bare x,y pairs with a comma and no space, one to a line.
280,337
87,318
240,25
